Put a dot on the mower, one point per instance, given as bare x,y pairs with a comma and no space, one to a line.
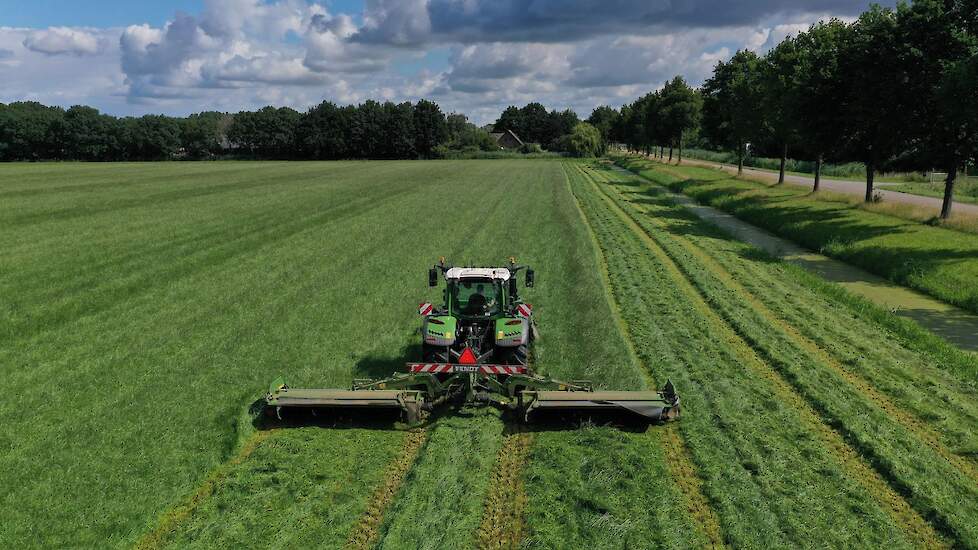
476,349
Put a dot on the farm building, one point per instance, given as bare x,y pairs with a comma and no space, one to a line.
507,139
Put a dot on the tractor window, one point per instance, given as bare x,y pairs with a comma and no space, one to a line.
476,297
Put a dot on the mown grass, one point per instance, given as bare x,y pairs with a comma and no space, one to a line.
153,303
755,452
878,382
935,260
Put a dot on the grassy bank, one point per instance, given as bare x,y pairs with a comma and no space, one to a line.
935,260
965,190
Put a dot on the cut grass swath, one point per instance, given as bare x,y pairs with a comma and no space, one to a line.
175,517
718,329
950,519
365,532
681,466
502,517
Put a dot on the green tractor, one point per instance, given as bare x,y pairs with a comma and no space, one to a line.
476,349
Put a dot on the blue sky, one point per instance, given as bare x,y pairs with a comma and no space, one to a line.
472,56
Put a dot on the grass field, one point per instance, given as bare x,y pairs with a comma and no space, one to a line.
149,305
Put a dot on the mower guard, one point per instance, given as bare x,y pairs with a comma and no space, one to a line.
406,402
650,406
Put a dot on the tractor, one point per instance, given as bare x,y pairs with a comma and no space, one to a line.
477,349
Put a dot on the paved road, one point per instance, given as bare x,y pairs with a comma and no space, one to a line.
849,187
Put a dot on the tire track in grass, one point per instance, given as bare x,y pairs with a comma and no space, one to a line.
678,458
367,531
502,523
900,414
173,519
915,527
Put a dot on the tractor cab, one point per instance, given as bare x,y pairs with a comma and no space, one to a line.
476,297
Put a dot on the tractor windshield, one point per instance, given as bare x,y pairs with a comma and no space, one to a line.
476,297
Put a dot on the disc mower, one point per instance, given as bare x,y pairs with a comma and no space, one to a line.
476,348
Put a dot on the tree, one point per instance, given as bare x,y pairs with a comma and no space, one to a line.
957,103
818,108
267,132
511,119
31,131
465,136
152,137
604,118
367,130
678,109
943,41
536,124
873,75
429,127
200,134
87,134
648,122
559,124
399,131
619,130
779,75
732,103
584,141
324,132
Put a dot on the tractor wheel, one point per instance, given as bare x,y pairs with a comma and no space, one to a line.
434,354
519,355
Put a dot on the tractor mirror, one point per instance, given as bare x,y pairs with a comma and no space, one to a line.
529,277
513,293
432,277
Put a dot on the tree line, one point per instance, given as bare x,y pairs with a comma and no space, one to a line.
32,131
896,89
370,130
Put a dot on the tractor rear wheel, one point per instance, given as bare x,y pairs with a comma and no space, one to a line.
519,355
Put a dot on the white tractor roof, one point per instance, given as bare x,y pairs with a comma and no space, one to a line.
478,273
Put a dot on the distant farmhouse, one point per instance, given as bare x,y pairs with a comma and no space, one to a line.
507,140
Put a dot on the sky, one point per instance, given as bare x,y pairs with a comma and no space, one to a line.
471,56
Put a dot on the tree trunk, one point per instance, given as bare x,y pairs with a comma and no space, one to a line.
952,175
740,160
670,153
680,161
784,160
662,151
870,175
818,173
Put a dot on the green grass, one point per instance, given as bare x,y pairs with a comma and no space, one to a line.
938,261
148,305
965,190
905,369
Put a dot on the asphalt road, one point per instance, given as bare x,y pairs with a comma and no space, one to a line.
849,187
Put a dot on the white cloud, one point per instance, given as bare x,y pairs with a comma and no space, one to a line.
62,40
242,54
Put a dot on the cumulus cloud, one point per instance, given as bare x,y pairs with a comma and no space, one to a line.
62,40
473,56
472,21
329,49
